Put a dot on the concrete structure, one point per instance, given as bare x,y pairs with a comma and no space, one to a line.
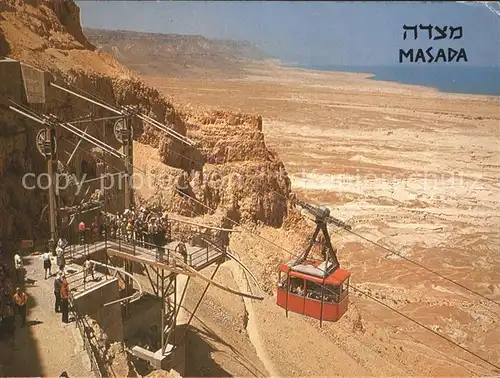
11,77
174,356
90,302
170,287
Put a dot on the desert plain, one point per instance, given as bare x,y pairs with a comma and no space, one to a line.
409,167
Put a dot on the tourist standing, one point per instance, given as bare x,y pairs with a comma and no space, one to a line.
47,264
57,291
95,230
88,269
130,231
60,260
18,264
20,299
65,300
81,230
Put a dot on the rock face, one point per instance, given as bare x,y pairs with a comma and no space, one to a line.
229,170
164,374
112,357
232,170
17,205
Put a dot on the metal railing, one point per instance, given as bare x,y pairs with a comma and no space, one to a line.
163,254
202,256
90,342
134,247
82,244
79,280
129,243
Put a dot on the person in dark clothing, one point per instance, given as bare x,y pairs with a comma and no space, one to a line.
181,248
9,319
95,230
82,228
65,300
47,264
57,292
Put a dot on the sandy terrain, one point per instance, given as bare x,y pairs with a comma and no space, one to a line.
46,346
411,168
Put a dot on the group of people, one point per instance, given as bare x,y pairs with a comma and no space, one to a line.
60,258
10,306
61,294
331,293
12,302
61,286
143,225
96,231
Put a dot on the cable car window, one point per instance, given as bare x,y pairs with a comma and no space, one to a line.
297,286
344,290
313,290
282,284
332,293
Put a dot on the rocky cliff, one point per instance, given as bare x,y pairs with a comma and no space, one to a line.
230,168
175,55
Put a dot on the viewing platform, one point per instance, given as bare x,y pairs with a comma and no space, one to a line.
198,257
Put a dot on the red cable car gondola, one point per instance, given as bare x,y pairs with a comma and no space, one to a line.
319,289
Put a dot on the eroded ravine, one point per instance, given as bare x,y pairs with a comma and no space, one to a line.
243,284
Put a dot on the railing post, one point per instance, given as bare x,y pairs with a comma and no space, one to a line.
86,244
106,250
287,289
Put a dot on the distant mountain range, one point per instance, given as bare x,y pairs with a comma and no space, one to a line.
174,54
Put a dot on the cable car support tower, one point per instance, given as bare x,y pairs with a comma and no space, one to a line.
321,216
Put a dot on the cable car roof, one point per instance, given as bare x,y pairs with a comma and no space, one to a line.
338,276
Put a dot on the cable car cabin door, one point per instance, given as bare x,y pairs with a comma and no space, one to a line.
291,297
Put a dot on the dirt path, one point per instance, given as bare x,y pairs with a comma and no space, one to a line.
46,347
252,327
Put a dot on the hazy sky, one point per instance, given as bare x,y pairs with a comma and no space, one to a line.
310,33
